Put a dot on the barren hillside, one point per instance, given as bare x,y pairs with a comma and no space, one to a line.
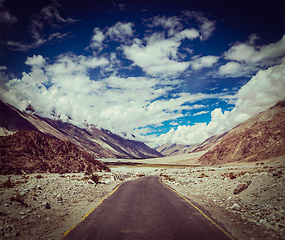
31,151
260,137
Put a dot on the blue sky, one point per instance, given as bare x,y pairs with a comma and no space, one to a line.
164,71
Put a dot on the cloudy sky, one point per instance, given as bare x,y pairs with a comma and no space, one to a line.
164,71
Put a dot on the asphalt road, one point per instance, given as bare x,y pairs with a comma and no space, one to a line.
146,209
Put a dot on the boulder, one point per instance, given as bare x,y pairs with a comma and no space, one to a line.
240,187
246,178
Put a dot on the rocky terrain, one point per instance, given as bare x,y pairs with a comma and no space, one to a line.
31,151
97,141
249,199
44,206
260,137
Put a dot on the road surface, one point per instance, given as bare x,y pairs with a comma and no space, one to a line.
146,209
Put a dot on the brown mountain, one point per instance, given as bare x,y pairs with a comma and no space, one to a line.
98,142
30,151
175,149
260,137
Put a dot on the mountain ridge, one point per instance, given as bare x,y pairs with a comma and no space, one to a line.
100,143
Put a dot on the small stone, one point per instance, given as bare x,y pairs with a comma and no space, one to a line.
46,205
268,226
91,181
235,207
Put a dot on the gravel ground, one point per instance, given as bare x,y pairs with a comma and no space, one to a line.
255,211
44,206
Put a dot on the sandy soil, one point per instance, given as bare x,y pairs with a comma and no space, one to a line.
44,206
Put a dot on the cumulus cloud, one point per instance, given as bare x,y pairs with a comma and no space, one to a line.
264,90
157,57
65,90
248,58
250,53
120,31
201,62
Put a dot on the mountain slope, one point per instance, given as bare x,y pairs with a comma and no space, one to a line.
175,149
98,142
260,137
30,151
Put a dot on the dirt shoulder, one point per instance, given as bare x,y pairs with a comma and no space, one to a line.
44,206
255,212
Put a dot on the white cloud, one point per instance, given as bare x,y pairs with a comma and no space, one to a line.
202,62
64,89
158,57
3,68
187,33
264,90
229,68
120,31
200,113
207,27
5,15
263,55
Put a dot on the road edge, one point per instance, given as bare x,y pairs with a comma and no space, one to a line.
208,218
87,214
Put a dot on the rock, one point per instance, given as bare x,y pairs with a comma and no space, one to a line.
235,207
46,205
91,181
277,174
275,215
246,178
240,187
268,226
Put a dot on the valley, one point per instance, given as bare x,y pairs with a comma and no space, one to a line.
51,177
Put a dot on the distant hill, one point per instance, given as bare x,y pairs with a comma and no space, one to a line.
175,149
30,151
260,137
100,143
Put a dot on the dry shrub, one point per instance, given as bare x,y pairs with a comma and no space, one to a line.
7,184
95,178
39,176
229,175
18,198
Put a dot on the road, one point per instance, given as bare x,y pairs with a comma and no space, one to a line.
146,209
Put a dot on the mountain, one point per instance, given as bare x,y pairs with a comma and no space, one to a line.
175,149
100,143
30,151
260,137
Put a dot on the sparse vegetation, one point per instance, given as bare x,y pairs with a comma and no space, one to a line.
7,184
18,198
167,177
39,176
95,178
